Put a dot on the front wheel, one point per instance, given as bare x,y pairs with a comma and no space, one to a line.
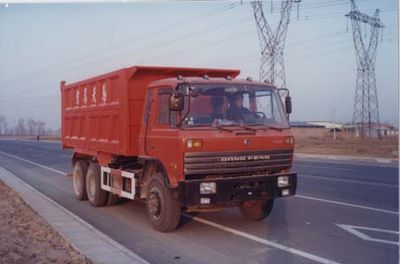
256,210
162,205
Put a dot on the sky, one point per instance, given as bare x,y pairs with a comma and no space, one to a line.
42,44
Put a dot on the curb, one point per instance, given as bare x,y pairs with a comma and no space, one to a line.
347,158
83,237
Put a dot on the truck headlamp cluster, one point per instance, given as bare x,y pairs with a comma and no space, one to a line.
194,143
208,187
283,181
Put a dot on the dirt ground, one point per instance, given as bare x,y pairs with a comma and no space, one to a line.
25,237
322,142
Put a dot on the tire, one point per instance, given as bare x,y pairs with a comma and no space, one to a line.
162,205
256,210
79,179
96,196
112,199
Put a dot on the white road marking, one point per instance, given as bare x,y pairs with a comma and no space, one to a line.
263,241
243,234
218,226
364,163
353,230
347,204
384,160
347,180
33,163
298,196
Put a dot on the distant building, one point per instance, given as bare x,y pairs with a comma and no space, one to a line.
316,124
302,124
327,124
383,130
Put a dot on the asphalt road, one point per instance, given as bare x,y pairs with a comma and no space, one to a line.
344,213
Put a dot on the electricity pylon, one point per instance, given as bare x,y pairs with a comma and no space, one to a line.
365,109
272,68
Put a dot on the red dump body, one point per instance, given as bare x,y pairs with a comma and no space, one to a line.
103,114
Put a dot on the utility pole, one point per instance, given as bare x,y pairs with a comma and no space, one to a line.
272,43
365,110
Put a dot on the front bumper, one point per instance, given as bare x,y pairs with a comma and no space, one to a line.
233,190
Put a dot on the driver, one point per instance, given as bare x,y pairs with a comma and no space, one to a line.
216,107
236,110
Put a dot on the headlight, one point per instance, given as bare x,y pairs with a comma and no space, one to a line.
205,200
194,143
208,187
283,181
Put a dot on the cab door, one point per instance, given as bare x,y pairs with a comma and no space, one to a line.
162,139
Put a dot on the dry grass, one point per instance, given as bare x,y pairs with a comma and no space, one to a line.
25,237
322,142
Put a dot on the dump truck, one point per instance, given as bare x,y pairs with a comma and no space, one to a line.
180,139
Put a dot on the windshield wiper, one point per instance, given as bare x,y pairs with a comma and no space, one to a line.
268,126
211,126
242,126
222,127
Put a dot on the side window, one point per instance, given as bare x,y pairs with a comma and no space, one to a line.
147,106
163,105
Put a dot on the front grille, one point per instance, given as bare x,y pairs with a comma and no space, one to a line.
212,163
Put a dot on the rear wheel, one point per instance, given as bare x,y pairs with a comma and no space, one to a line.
97,197
256,210
79,179
162,205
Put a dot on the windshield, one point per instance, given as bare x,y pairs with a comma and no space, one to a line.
223,105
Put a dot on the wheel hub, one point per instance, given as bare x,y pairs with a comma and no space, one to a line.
154,204
92,186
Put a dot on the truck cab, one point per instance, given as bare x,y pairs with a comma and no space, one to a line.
221,142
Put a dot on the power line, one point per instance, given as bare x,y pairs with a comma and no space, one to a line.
163,29
170,42
301,45
163,43
93,58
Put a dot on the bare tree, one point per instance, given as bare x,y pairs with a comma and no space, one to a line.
3,125
20,128
58,132
41,128
32,126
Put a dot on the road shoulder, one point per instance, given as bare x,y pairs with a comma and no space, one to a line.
85,238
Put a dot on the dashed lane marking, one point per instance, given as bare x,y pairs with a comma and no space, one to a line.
347,180
263,241
243,234
218,226
347,204
298,196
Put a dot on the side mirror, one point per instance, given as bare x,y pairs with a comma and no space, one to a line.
176,102
288,104
284,92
